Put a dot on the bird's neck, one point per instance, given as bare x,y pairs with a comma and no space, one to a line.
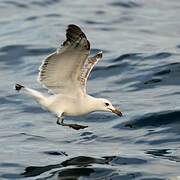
93,103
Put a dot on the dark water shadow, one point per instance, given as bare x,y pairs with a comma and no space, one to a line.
125,4
12,55
31,18
111,70
153,120
15,3
142,56
43,3
129,56
93,22
56,153
159,128
162,75
74,173
53,15
80,161
83,166
140,78
160,55
163,153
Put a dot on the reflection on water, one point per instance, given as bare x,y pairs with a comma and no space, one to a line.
139,73
83,166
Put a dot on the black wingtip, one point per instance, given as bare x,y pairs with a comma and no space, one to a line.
18,87
99,55
75,27
74,34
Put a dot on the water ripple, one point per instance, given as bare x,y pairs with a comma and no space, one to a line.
155,119
140,71
124,4
81,169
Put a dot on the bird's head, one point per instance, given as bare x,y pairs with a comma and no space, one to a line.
106,105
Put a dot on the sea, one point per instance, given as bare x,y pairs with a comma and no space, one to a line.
139,74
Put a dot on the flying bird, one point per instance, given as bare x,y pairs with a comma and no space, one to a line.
64,73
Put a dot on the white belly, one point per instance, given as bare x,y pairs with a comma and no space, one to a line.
75,112
68,106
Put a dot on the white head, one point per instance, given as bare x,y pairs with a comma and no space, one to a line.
106,105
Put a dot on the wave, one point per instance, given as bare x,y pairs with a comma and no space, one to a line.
83,166
154,120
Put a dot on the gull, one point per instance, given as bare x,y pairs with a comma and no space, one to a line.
64,73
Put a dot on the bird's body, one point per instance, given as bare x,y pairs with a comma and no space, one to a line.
65,74
68,105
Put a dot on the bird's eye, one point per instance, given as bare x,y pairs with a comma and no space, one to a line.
107,104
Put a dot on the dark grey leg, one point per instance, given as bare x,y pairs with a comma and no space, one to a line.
60,121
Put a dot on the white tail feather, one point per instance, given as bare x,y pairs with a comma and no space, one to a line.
38,96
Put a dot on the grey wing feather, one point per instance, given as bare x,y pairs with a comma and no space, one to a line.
61,70
88,66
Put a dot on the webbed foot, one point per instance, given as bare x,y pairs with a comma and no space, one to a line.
73,126
77,126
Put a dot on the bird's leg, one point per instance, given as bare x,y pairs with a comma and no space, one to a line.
60,121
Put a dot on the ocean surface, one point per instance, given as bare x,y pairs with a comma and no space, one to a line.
139,73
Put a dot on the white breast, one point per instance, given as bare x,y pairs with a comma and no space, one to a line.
69,106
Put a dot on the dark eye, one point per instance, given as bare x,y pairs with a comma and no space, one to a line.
107,104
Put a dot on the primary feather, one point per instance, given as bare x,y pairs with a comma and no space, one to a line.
60,72
65,73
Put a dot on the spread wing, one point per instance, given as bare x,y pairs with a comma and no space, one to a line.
87,68
61,71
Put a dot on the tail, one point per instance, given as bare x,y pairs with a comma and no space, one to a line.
18,87
38,96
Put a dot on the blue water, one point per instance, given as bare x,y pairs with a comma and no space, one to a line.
140,73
